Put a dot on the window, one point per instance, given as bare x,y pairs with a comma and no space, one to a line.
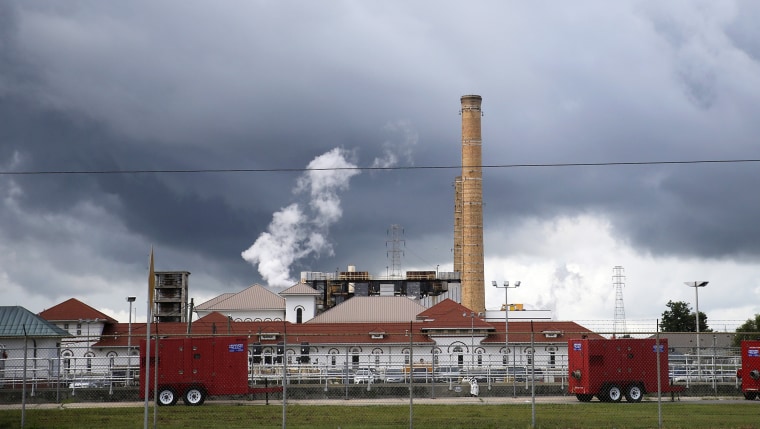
376,353
529,353
89,356
299,315
111,359
436,353
458,351
66,355
355,357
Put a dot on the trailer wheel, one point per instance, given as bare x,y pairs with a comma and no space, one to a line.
583,397
750,396
634,393
166,396
194,396
614,394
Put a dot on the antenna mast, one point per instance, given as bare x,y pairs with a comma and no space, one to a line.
618,281
396,233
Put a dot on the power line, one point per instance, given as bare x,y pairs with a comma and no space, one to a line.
397,168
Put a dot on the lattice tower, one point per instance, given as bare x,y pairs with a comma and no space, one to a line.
396,233
618,281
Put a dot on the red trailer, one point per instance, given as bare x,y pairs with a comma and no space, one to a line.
195,368
749,373
611,369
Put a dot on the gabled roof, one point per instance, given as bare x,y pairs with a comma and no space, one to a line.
72,310
19,322
449,314
449,317
300,289
543,331
213,301
255,297
325,334
371,309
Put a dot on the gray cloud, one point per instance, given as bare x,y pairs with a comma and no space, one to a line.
252,85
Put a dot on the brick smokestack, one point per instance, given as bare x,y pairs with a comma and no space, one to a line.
468,218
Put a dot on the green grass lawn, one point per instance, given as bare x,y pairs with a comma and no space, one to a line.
575,415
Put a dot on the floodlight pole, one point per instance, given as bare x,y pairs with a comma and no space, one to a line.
506,330
696,285
130,300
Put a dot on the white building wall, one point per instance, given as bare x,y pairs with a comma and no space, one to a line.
306,303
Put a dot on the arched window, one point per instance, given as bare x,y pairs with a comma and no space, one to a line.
333,356
436,353
504,355
355,356
299,315
67,355
111,359
458,351
376,353
89,356
552,356
529,354
267,352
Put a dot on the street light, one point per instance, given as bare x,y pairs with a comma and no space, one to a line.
130,300
696,286
506,328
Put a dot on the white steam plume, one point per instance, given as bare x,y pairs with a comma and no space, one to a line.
393,149
294,234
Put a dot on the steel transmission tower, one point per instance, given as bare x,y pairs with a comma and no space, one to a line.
396,233
618,281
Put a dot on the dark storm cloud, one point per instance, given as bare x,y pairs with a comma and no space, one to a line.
261,85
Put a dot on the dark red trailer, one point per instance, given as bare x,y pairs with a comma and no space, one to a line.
611,369
749,373
194,368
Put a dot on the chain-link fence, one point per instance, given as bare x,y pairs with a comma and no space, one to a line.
309,370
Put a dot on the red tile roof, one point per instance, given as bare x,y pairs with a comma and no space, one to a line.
73,310
449,314
350,333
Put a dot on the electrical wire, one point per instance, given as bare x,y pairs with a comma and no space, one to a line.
396,168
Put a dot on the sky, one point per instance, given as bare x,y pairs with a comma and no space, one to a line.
249,141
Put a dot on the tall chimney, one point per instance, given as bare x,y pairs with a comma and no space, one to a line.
470,202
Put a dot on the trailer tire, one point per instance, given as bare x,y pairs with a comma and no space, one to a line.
584,397
750,396
194,396
614,394
166,396
634,393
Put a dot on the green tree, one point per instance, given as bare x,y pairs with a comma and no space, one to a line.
751,328
680,318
